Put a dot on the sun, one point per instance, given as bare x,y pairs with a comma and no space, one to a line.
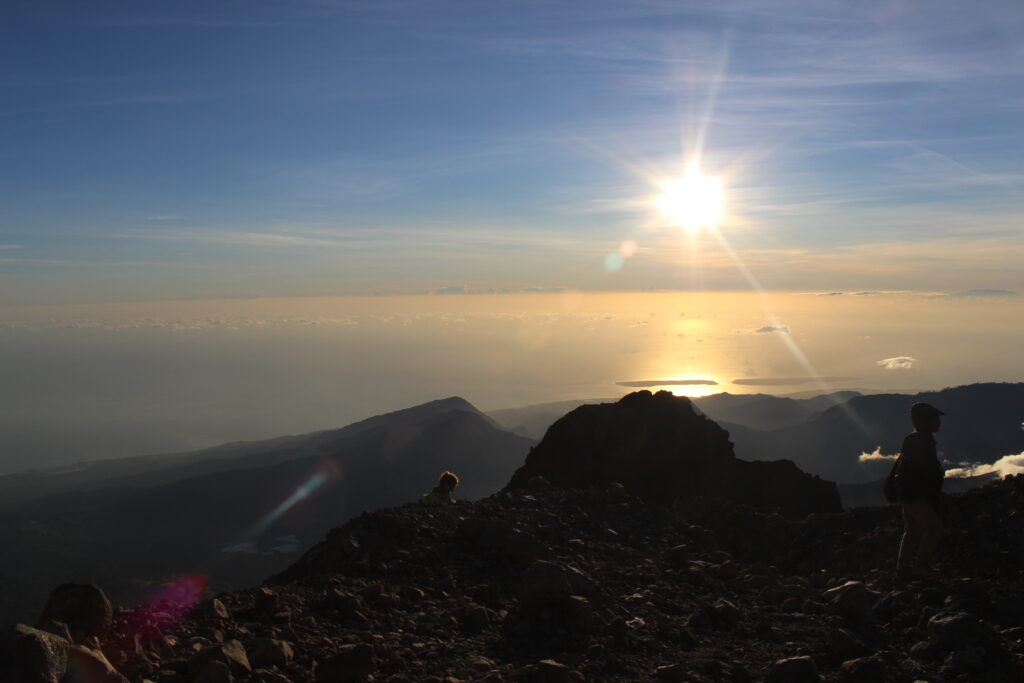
693,201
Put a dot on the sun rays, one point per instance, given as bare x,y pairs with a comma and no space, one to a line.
693,201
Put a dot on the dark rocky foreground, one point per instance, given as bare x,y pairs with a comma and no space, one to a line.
551,584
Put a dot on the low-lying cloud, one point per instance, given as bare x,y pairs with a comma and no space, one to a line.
1008,464
667,382
772,328
876,456
897,363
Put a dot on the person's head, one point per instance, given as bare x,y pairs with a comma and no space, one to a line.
448,482
926,417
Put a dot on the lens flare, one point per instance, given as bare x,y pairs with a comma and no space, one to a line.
613,262
324,471
180,593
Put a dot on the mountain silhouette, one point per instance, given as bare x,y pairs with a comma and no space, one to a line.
244,510
660,449
982,424
757,411
151,470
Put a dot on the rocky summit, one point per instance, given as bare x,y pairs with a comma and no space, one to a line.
553,584
660,449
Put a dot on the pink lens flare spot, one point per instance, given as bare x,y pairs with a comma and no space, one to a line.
627,249
183,592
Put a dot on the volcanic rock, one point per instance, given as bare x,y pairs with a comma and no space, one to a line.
658,448
33,656
409,594
268,652
83,608
853,599
86,665
863,670
793,670
350,663
231,653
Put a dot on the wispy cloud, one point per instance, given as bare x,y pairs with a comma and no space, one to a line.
897,363
667,383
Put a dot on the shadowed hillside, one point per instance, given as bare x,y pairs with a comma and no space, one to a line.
239,518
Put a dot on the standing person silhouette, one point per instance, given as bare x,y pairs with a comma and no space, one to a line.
919,487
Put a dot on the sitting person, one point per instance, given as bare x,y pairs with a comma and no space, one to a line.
442,493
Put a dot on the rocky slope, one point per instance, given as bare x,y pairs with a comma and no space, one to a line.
552,584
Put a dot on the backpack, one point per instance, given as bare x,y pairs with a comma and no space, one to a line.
892,484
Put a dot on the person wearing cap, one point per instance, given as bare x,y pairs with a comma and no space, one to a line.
919,476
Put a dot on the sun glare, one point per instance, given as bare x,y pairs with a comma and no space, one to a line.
692,201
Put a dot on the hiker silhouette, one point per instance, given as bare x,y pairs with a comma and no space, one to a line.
918,477
442,494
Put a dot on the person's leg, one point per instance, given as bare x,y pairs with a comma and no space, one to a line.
931,533
910,542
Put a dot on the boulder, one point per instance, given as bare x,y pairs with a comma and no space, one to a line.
215,672
853,599
232,653
550,671
90,666
956,630
545,583
522,548
33,656
350,663
863,670
268,652
264,600
972,658
842,645
673,672
83,608
477,617
793,670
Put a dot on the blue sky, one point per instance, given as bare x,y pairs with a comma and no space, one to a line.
219,149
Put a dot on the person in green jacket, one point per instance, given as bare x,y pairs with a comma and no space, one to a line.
442,494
